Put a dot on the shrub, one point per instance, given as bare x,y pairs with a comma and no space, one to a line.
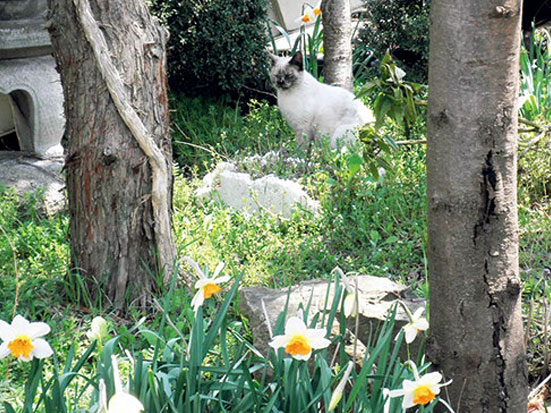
401,26
215,46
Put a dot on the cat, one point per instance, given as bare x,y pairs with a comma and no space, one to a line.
314,109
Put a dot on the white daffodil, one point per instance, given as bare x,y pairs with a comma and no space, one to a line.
415,326
98,329
350,302
299,340
308,15
421,391
121,401
337,394
21,339
317,9
206,286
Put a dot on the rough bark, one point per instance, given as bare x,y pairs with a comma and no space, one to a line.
111,57
337,43
475,293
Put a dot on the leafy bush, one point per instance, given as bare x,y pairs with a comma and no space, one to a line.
216,46
401,26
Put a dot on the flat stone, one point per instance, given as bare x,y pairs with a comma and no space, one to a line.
28,174
376,296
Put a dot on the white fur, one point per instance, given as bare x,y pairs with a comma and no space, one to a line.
315,109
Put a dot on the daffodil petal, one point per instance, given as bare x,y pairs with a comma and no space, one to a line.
411,333
303,357
319,343
295,326
198,300
221,280
41,349
408,385
19,323
124,403
195,266
218,269
4,350
418,312
6,331
279,341
431,378
407,402
396,393
35,330
422,324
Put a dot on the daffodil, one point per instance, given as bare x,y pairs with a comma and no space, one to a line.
21,339
421,391
415,326
337,394
317,9
308,15
350,302
98,329
121,401
206,286
299,340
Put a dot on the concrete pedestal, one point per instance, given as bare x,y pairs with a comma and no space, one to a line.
36,98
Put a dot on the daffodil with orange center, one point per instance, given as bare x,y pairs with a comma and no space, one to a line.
21,339
317,9
299,340
420,391
416,325
206,286
307,16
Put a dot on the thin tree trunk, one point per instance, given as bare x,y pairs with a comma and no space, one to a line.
337,43
475,291
111,57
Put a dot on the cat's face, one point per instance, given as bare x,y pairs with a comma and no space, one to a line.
285,72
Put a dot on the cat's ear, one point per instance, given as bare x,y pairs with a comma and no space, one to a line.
297,60
273,58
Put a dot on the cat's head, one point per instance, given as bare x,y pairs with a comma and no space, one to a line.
286,72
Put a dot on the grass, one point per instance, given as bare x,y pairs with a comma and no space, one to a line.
365,226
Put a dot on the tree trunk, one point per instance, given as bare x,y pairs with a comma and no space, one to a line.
337,43
475,291
118,155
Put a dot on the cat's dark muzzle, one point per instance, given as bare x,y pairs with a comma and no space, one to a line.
283,85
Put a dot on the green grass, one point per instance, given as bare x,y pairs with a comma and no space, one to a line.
367,226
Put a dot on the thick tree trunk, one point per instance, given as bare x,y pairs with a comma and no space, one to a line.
118,153
475,292
337,43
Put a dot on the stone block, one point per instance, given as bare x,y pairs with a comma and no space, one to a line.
376,295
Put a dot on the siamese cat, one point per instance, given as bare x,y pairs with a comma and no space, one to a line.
314,109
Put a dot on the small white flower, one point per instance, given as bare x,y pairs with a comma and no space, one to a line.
308,15
121,401
337,394
299,340
206,287
421,391
98,329
415,326
21,339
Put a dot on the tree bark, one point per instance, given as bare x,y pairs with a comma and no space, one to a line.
337,43
111,57
475,291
